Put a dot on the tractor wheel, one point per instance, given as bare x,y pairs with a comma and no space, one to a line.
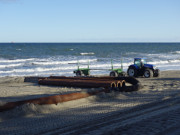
148,73
88,73
157,73
132,72
79,73
123,74
113,74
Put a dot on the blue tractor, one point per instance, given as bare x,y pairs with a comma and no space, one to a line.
141,68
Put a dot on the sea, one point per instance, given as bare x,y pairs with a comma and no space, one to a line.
61,59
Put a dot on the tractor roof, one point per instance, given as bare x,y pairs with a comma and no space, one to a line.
139,58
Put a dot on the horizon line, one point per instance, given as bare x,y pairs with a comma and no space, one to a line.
92,42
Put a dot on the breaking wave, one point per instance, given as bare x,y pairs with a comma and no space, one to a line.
90,53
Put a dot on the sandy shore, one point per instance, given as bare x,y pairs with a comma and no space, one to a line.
159,97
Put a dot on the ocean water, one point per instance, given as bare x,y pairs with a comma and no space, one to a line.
44,59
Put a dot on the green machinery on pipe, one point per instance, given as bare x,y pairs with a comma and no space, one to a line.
117,71
82,71
114,71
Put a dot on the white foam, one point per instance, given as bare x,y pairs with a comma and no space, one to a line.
62,62
178,52
87,53
10,65
158,62
39,69
174,61
169,62
15,61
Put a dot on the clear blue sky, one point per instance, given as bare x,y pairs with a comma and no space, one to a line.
90,20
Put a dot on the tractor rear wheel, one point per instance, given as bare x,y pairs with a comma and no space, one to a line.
113,74
148,73
79,73
132,72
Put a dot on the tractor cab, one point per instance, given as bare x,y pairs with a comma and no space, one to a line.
140,62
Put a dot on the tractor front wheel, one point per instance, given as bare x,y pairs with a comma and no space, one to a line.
156,73
113,74
79,73
132,72
148,73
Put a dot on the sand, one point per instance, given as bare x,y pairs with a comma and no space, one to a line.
154,109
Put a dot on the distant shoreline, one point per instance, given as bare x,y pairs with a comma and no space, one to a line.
89,42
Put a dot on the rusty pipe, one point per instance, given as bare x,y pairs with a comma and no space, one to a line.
82,78
119,84
130,80
50,100
74,80
76,83
113,85
123,83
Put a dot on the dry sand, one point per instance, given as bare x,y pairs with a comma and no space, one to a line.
154,109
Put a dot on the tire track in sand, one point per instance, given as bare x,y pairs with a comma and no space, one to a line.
153,118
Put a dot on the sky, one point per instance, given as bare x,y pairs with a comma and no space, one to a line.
89,21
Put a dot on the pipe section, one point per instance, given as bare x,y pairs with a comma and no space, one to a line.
50,100
83,82
79,83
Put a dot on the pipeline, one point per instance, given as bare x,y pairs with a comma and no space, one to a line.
130,80
107,82
83,77
50,100
79,83
136,85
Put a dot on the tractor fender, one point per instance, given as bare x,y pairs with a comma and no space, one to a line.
148,68
134,66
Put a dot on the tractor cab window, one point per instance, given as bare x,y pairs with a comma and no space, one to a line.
140,62
137,62
144,61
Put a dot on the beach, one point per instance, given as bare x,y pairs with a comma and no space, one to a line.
89,67
154,109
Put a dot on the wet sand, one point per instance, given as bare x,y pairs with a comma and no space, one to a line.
161,91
